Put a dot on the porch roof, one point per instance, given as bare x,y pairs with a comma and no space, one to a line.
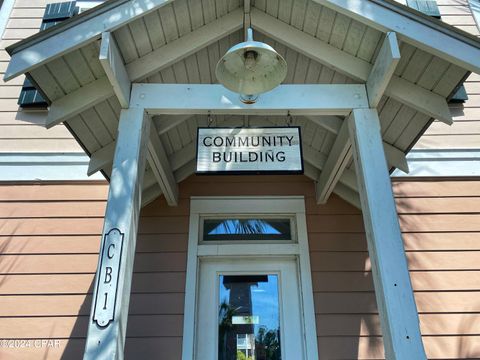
180,41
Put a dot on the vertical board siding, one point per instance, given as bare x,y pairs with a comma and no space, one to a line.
49,239
23,130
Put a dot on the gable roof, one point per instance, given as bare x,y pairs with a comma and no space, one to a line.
180,41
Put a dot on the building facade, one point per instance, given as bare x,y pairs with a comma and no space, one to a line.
311,263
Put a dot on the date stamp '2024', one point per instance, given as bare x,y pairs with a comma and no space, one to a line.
29,343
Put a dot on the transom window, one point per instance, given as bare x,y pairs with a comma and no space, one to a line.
247,229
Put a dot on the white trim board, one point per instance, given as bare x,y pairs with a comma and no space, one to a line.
73,166
284,205
45,167
441,163
475,9
5,11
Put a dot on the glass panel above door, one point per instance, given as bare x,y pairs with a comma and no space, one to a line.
256,229
249,320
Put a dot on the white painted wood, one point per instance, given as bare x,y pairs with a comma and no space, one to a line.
420,99
310,46
448,162
383,69
45,167
285,205
330,123
337,161
183,156
185,171
355,68
87,29
112,63
393,289
158,160
395,157
101,158
347,194
150,194
122,213
78,101
184,46
166,123
215,99
236,247
413,29
6,8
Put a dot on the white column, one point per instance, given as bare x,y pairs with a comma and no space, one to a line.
111,297
393,289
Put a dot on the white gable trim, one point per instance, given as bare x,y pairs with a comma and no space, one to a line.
387,16
6,9
71,38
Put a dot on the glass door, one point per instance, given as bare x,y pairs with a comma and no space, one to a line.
249,310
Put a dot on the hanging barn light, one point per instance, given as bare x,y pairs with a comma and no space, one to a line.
251,68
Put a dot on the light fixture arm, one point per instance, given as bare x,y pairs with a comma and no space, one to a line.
249,34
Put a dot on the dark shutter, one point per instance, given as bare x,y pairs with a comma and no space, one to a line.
460,95
54,14
430,8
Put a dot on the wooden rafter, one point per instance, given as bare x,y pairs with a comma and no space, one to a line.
112,63
383,69
399,89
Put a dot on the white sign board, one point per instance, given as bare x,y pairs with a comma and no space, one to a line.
249,150
107,280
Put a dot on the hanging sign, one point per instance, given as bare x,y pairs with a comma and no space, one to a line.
106,294
249,150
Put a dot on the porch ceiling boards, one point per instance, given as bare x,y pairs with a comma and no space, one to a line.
182,41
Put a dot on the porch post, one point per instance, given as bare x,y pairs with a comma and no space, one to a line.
111,296
393,289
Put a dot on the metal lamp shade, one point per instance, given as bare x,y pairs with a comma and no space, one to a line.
251,67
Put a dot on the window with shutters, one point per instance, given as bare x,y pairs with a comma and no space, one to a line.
430,8
54,14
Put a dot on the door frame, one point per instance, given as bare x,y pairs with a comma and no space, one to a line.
288,290
291,206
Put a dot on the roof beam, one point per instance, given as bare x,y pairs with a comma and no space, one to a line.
420,99
318,160
184,46
85,29
337,161
395,157
158,160
316,99
101,158
112,63
166,123
383,69
142,67
346,188
78,101
431,104
329,123
417,30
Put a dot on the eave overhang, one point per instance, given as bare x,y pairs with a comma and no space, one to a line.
324,42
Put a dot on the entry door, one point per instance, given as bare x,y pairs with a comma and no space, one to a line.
249,309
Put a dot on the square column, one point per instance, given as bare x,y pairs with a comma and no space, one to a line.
393,289
111,297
